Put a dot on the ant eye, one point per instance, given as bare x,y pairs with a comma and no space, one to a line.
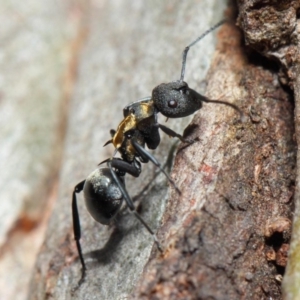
172,104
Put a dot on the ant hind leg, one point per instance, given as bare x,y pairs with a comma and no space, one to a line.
130,205
76,227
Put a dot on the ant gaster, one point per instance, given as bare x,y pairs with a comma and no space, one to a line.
104,189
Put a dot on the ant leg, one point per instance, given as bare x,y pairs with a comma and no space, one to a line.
149,229
147,156
172,133
131,206
76,227
132,169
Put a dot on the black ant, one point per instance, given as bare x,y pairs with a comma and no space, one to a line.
173,100
104,189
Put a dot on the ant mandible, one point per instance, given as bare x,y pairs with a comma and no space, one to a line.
104,189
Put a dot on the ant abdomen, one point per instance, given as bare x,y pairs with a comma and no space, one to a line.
102,195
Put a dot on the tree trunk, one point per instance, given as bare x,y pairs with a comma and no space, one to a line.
227,234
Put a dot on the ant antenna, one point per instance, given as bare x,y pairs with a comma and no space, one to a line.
242,117
185,51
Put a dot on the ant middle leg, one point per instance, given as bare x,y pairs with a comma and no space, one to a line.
146,156
174,134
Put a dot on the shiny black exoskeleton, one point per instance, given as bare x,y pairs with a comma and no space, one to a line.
103,199
101,185
104,192
104,189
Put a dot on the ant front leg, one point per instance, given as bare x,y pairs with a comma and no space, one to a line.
173,134
146,156
76,226
130,204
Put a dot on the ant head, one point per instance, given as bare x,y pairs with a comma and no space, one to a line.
176,99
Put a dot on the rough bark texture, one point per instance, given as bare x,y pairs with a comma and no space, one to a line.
226,236
272,28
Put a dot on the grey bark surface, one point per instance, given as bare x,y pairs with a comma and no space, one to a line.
129,49
35,80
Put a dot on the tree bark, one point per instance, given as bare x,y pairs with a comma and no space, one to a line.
227,235
272,29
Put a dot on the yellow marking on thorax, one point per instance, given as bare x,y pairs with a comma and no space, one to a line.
147,110
127,124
